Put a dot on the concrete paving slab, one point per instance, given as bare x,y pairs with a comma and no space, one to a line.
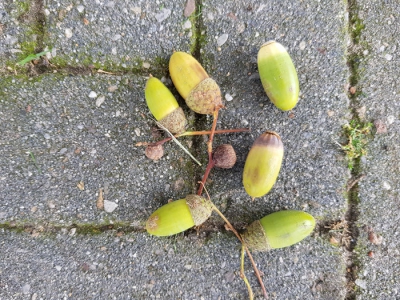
378,244
113,265
116,34
313,175
66,137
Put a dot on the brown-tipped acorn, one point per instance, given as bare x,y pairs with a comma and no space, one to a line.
263,164
164,106
278,230
179,215
224,156
201,93
278,75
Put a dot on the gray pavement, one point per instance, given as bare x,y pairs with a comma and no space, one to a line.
69,135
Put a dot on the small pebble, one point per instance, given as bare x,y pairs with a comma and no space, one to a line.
46,136
302,45
388,57
146,65
68,33
136,10
112,88
386,186
92,94
187,25
58,268
164,14
222,39
116,37
100,100
63,150
228,97
80,8
361,283
391,119
109,206
137,131
26,288
34,296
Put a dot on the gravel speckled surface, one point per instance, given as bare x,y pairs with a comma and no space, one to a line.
76,187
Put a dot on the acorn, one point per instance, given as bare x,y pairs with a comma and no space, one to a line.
164,106
278,230
201,93
179,215
278,75
263,164
224,156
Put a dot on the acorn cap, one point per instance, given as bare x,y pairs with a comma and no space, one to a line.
278,230
263,164
205,97
199,207
278,75
224,156
176,121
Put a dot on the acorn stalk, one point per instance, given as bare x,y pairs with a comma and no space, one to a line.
278,75
164,107
278,230
178,216
263,164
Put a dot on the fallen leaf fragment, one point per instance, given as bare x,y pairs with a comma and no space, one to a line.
81,185
380,126
100,200
104,72
189,8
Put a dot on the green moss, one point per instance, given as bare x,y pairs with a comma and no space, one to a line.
357,134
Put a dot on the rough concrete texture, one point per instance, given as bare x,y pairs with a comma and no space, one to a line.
378,247
123,34
57,135
72,132
137,266
311,130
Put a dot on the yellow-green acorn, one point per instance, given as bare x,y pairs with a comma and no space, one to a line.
179,215
164,106
278,230
201,93
278,75
263,164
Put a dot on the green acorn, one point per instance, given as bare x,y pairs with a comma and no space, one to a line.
164,106
201,93
278,75
263,164
278,230
179,215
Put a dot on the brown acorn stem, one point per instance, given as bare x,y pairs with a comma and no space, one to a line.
203,132
245,246
243,276
205,176
211,162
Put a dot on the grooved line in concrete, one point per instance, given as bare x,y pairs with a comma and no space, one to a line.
354,30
